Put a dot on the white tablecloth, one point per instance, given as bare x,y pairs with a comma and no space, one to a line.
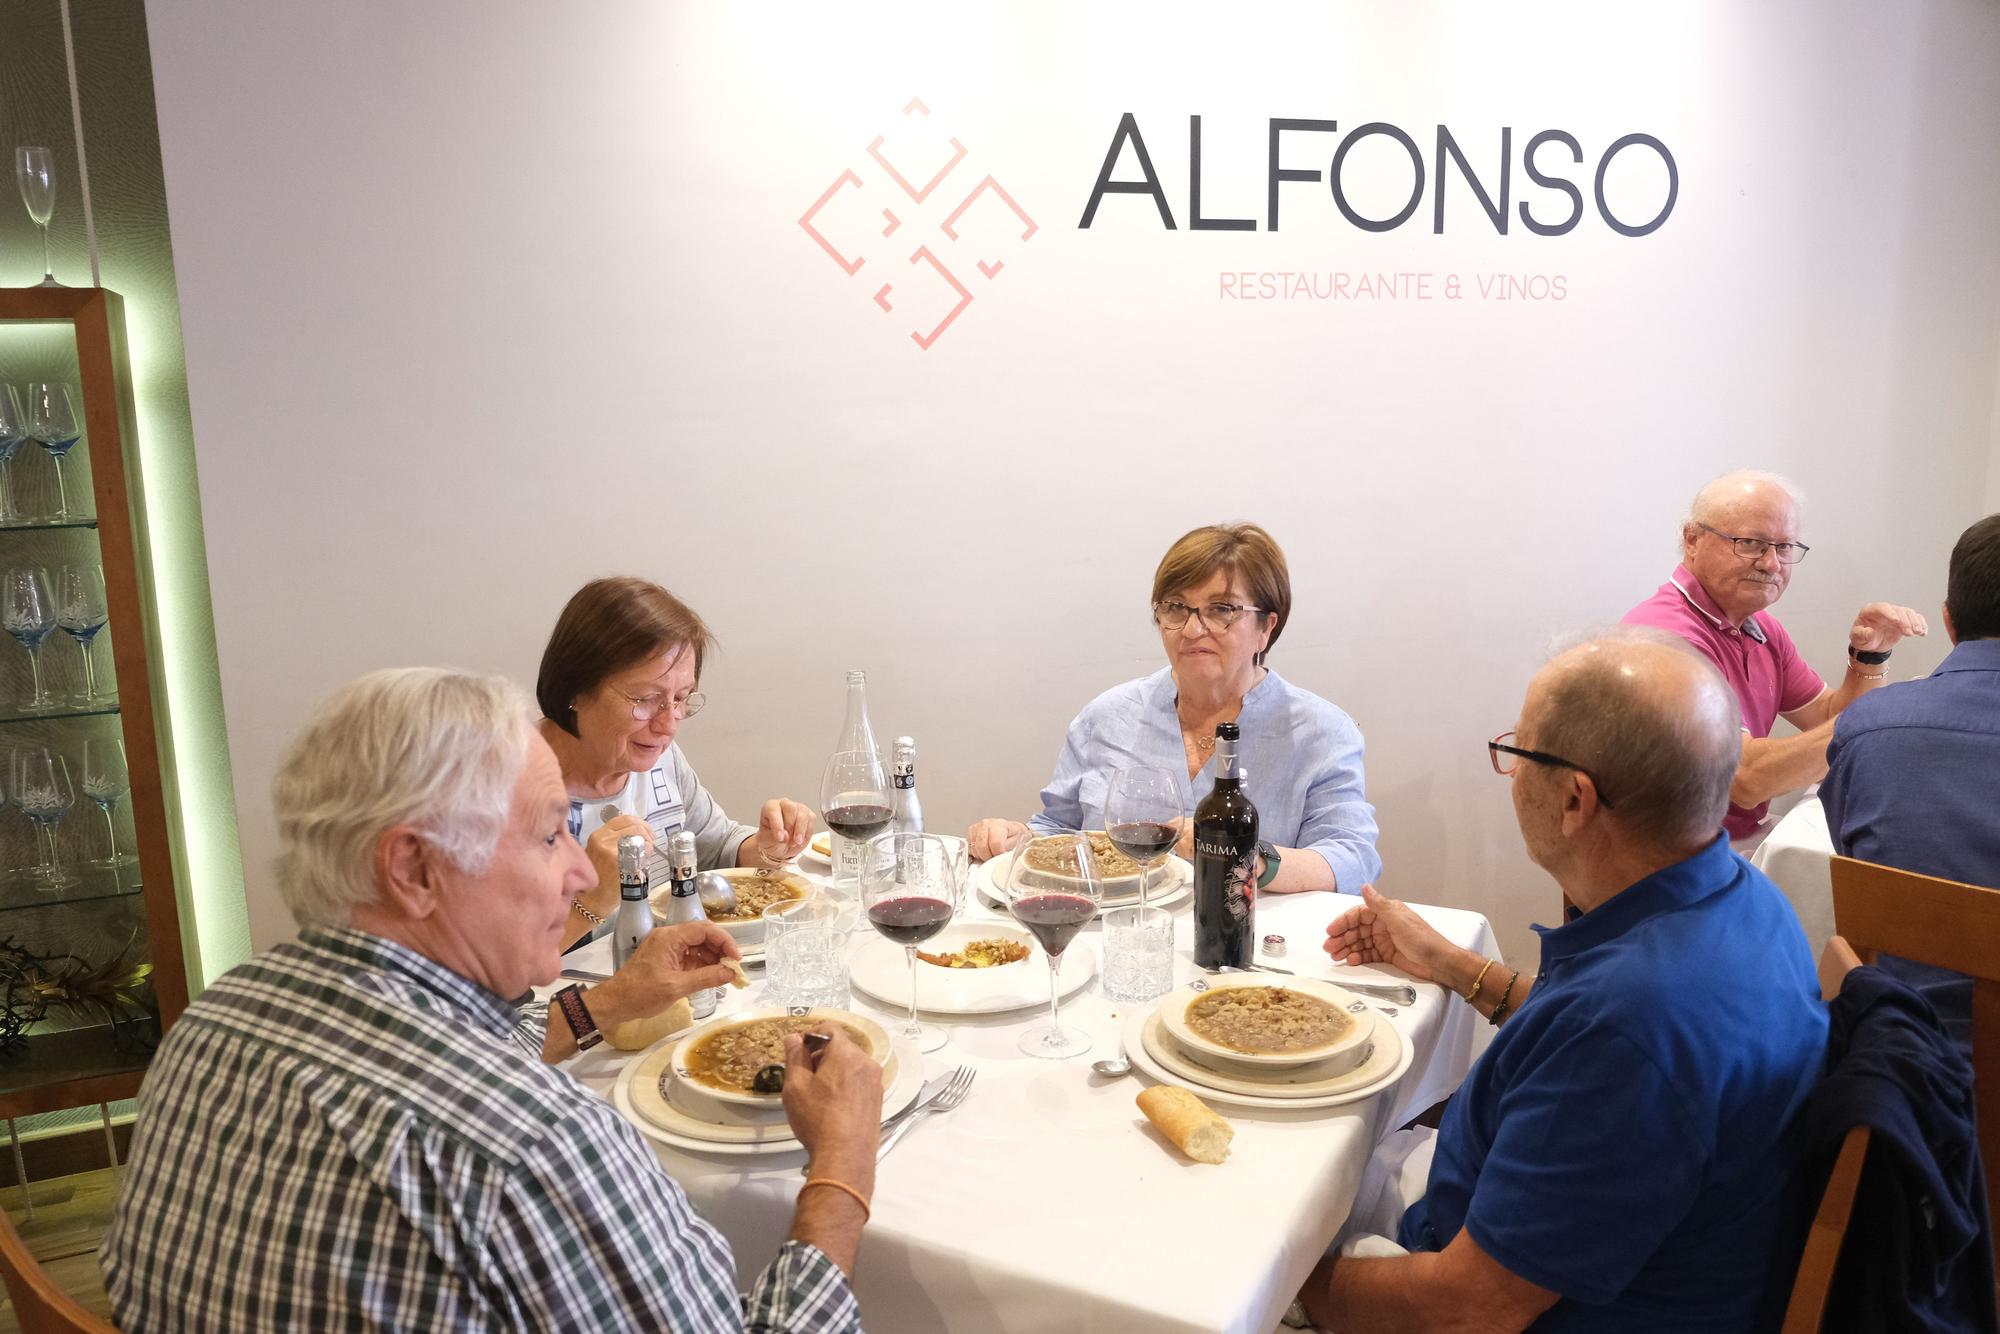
1046,1202
1798,856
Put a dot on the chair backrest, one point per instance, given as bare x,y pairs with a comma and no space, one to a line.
1947,925
39,1305
1821,1256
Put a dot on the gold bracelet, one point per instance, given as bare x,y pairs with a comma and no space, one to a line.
1870,676
866,1212
1506,999
1477,983
588,915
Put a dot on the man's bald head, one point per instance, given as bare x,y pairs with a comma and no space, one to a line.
1652,722
1747,491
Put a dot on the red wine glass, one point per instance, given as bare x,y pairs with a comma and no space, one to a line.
854,796
1142,817
1054,893
910,888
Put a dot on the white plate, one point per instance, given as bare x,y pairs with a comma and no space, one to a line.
877,1037
1171,883
1392,1058
1343,1054
880,970
637,1098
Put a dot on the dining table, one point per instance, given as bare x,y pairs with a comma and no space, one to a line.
1797,854
1046,1200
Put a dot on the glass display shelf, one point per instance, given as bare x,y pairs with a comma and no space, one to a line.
12,712
19,892
67,1069
45,525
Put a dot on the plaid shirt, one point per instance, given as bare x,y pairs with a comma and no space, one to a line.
342,1133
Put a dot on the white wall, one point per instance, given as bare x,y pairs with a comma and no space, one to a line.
485,299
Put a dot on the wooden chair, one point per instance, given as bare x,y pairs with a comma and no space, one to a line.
1948,925
1836,1206
39,1305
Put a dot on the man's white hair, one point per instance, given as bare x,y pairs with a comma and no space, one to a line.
436,749
1719,494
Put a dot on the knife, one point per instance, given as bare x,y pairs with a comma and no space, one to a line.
927,1096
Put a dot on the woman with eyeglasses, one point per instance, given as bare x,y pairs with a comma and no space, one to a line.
617,680
1221,597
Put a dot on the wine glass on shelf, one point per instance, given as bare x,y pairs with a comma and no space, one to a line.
105,781
35,170
27,612
43,791
1055,898
854,795
52,425
13,434
910,888
1142,817
81,612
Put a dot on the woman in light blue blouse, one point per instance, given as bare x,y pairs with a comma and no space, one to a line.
1221,597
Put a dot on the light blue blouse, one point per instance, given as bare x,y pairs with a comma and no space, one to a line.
1300,756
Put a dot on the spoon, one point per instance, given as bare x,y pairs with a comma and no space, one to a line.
718,896
1113,1067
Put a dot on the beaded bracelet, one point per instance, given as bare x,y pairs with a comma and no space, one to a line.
588,915
1477,983
866,1212
1506,999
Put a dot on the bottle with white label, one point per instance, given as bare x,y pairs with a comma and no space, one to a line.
634,919
909,817
855,735
684,905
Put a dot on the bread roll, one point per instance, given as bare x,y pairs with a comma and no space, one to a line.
1187,1121
739,978
639,1034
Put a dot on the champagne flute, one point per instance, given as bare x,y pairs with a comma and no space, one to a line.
35,170
81,612
854,796
1142,817
27,613
105,781
910,886
1055,900
43,791
13,434
52,425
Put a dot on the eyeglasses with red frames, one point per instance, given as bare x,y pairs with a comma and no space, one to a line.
1506,759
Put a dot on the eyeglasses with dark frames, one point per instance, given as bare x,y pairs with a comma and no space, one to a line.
1497,747
1171,614
1750,548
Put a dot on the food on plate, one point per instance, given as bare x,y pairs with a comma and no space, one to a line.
1187,1122
732,1056
1055,855
1266,1021
737,977
754,893
639,1034
980,954
822,843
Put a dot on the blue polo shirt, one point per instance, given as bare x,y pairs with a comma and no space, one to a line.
1628,1139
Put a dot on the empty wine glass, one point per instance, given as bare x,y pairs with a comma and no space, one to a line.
27,612
52,425
910,887
1142,817
1053,888
105,782
43,791
35,169
13,434
854,797
81,612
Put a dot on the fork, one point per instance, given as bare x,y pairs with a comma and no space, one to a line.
954,1094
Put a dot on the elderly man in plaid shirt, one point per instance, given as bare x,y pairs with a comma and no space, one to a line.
345,1131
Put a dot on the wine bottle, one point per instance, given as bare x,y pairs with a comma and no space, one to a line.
1225,860
855,734
634,919
684,905
909,818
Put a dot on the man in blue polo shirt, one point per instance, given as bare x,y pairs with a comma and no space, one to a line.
1620,1157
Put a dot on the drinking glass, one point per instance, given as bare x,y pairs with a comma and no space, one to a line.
1138,954
105,781
81,612
1142,817
854,801
52,425
805,963
1055,900
35,170
27,612
43,791
911,885
13,434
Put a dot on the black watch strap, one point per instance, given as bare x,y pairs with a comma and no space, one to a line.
1867,659
570,1001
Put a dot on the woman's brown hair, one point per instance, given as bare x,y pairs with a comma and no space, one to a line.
606,627
1242,549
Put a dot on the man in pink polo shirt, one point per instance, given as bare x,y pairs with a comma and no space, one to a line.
1738,547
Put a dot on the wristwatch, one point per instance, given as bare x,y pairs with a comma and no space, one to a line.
1270,856
570,1001
1867,659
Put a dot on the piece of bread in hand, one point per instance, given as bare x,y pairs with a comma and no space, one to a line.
639,1034
1187,1121
738,978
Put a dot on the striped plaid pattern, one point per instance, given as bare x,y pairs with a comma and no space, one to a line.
342,1133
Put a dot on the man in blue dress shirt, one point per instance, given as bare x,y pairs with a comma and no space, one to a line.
1620,1157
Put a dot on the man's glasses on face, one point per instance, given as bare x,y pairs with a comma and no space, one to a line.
1750,548
1506,759
1217,616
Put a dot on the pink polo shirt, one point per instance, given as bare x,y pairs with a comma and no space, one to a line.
1759,662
